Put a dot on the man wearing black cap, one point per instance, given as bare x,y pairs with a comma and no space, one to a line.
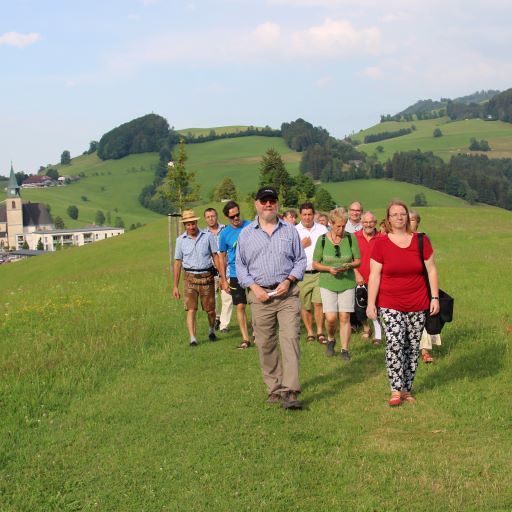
269,261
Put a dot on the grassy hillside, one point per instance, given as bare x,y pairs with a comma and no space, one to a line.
108,185
376,193
116,184
218,130
105,407
238,159
455,139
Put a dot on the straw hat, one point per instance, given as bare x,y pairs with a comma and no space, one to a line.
188,216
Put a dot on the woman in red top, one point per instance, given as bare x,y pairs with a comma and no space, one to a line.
397,286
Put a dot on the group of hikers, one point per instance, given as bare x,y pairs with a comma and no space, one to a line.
337,272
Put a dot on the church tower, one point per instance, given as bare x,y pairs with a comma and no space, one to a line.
14,211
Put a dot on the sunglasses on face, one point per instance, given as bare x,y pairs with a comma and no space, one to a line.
337,251
234,216
267,201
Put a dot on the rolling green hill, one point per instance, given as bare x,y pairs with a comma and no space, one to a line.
238,159
375,194
455,139
110,185
105,407
115,184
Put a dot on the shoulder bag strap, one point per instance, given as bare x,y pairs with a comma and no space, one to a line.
425,273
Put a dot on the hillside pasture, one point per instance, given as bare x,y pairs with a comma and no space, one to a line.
455,139
375,194
108,185
219,130
105,407
238,159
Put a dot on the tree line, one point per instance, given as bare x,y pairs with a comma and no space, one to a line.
266,131
376,137
475,178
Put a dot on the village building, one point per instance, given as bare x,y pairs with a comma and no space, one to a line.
29,224
38,181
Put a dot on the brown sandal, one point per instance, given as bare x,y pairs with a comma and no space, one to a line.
321,339
407,397
245,344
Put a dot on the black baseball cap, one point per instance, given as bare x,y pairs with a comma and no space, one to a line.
267,193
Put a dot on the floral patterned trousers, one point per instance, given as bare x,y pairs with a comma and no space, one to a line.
403,334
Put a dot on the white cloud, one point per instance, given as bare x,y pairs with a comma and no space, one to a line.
323,82
270,41
336,38
267,33
19,40
374,72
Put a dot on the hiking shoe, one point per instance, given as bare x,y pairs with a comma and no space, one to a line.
274,398
345,355
193,343
290,401
329,348
212,336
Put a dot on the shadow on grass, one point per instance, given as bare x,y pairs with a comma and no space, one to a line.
362,367
477,357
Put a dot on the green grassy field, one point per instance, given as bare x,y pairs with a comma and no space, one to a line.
105,407
108,185
219,130
455,139
375,193
238,159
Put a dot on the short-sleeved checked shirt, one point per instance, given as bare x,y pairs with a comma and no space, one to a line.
196,253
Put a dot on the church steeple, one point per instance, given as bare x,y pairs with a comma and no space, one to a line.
13,189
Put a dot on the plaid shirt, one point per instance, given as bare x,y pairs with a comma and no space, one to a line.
196,253
269,259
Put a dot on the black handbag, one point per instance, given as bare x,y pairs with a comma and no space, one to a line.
435,323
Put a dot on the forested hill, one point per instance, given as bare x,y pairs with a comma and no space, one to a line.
424,106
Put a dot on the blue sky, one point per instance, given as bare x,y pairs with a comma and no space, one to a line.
72,70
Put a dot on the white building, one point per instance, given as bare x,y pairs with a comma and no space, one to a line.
53,239
27,223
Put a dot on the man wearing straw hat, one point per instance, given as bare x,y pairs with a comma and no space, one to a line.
196,253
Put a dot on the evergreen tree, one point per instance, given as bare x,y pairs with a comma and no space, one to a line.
274,174
100,218
179,187
40,246
59,223
324,201
65,158
225,190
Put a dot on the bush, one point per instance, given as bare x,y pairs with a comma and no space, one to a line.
72,211
420,200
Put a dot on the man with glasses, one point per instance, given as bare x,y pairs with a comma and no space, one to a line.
227,246
365,238
269,261
354,218
223,319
